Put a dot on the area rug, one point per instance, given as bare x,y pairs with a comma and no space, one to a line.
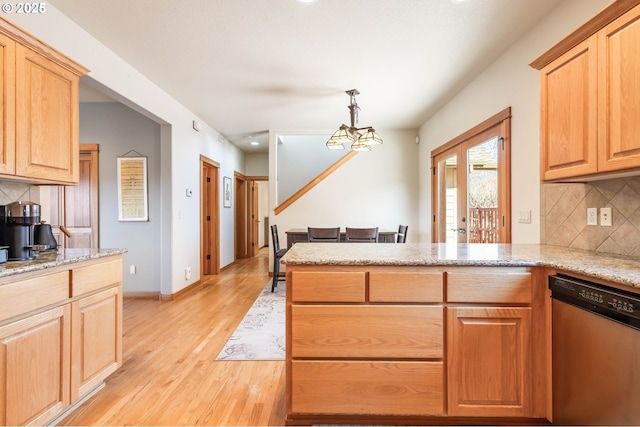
261,334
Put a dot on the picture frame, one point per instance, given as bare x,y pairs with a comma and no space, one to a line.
226,191
133,204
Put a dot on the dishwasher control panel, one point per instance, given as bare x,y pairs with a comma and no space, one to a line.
610,302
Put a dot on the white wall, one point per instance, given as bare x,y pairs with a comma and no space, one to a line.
377,188
256,164
294,172
507,82
181,145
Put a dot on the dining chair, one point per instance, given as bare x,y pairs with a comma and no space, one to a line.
361,235
277,254
402,234
325,235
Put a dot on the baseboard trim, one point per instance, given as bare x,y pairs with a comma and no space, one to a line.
142,295
75,406
192,287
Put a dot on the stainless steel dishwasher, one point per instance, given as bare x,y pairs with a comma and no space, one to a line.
596,353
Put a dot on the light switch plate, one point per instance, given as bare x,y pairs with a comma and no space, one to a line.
605,217
524,217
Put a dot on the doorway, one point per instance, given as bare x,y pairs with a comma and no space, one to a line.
209,217
471,185
249,234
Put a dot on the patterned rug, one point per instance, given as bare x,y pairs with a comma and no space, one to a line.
261,334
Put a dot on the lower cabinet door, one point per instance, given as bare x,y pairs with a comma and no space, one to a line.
34,367
489,361
367,387
96,349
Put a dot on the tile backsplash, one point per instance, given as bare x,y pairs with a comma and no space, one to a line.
12,191
563,210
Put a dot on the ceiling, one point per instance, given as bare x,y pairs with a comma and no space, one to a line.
247,66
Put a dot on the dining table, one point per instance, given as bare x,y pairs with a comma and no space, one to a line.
295,235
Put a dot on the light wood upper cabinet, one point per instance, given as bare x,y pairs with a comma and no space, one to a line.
46,119
568,122
590,99
619,94
7,114
40,110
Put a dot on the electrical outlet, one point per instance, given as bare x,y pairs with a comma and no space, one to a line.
132,269
187,273
605,217
592,216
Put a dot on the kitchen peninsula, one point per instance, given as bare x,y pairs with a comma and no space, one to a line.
60,331
427,333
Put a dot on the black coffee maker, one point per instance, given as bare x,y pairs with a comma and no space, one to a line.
17,221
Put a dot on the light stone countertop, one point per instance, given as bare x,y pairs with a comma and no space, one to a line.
616,268
51,258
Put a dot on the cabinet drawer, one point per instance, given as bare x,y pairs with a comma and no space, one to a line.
506,287
24,296
373,387
338,286
367,331
405,287
96,276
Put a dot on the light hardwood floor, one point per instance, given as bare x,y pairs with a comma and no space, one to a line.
169,374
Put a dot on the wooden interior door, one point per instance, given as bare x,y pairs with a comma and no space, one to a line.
239,200
81,204
76,207
210,222
254,220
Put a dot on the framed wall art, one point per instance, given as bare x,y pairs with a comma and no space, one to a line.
226,191
133,203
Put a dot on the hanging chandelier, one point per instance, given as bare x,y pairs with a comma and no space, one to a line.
360,139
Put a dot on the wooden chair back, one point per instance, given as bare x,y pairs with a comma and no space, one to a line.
275,239
361,235
323,235
402,234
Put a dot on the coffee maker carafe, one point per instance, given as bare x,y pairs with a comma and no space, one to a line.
16,228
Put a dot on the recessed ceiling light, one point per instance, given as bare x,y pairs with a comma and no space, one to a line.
255,143
306,1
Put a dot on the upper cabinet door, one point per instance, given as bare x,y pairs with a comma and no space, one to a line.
46,119
619,93
7,113
568,117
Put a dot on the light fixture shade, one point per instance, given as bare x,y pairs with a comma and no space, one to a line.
334,145
371,137
339,138
360,146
